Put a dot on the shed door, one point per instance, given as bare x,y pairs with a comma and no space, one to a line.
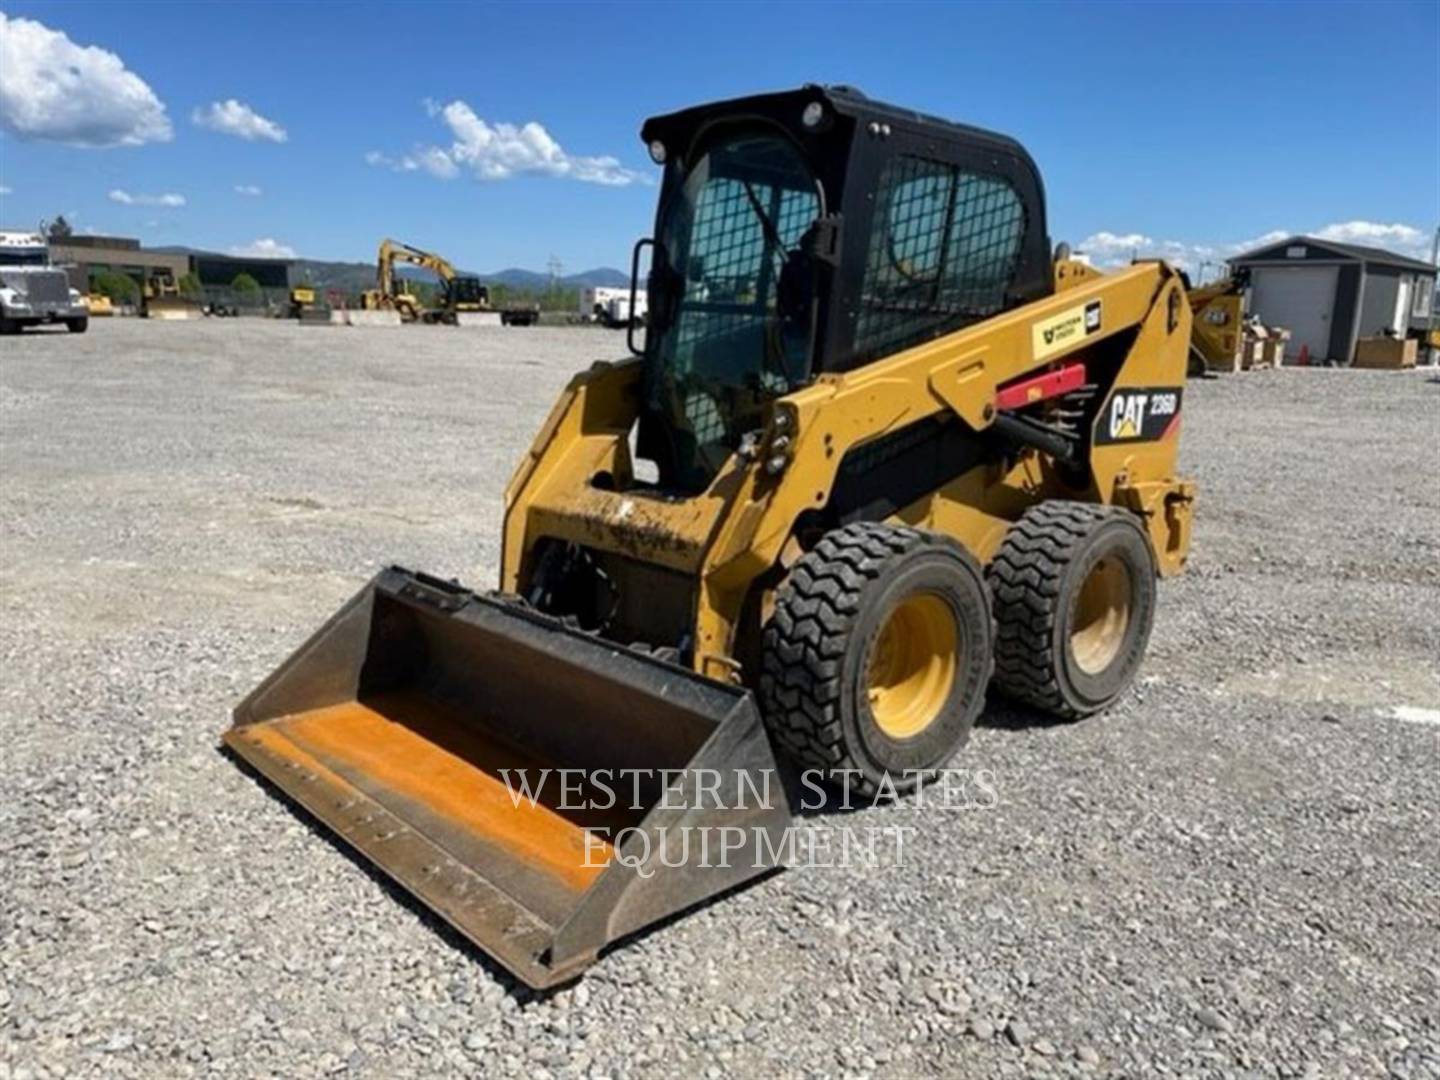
1299,298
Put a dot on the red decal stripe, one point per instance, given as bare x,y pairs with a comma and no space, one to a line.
1047,384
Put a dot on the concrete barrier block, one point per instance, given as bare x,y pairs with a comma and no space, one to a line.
477,318
370,318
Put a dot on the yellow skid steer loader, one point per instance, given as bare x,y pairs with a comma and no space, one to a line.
880,451
1218,327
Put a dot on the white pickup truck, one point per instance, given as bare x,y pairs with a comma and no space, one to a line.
33,292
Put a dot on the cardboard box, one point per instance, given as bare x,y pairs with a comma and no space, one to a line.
1252,350
1277,339
1386,352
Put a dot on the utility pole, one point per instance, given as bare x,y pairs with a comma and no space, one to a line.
1430,310
557,269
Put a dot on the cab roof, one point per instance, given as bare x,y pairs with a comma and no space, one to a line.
845,101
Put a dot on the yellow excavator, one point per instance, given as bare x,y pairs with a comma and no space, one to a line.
388,295
883,450
464,300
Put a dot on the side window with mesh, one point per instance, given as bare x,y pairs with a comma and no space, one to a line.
943,250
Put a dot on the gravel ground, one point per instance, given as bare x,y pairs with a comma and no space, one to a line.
1233,872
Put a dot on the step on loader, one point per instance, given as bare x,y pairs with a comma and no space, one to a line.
882,449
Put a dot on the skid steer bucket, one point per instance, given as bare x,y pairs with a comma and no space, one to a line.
427,726
172,308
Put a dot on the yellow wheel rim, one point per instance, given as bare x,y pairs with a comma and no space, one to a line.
912,665
1101,616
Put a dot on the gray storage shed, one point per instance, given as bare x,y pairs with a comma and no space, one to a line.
1329,294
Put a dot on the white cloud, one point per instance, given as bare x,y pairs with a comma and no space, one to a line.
1404,239
437,162
124,198
51,88
248,189
500,151
1108,249
265,248
1274,236
231,117
1103,243
6,190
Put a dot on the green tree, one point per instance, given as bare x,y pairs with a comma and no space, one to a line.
549,298
190,287
247,289
120,288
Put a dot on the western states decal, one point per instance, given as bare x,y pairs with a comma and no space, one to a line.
1062,332
1138,414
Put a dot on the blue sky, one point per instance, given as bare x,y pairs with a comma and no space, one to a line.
1171,129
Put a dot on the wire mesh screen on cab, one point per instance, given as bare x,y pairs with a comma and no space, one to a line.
743,210
943,252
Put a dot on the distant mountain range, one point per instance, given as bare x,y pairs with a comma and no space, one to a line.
354,276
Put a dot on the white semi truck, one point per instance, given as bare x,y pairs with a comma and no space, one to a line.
33,292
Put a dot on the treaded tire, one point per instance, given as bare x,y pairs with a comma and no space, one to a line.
77,326
828,613
1035,582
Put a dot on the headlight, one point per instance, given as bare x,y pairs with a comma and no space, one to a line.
813,114
657,152
74,296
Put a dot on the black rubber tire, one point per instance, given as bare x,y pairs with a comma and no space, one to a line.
8,326
1035,580
77,326
816,646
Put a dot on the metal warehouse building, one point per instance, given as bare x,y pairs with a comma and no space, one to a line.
1329,295
84,256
